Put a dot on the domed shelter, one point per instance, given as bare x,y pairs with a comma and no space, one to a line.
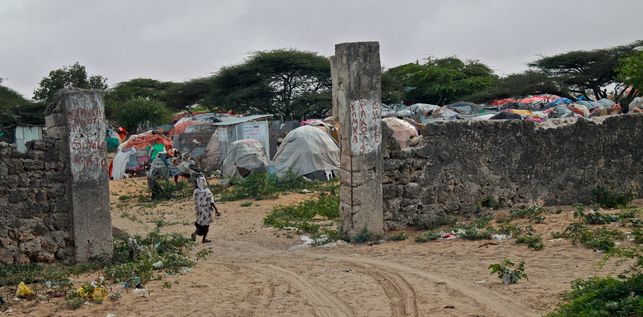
307,151
244,158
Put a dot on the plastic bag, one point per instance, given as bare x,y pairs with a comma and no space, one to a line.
24,292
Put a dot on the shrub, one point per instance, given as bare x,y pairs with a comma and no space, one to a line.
508,272
601,239
427,236
263,186
401,236
300,216
603,297
363,236
167,189
533,241
532,213
609,198
597,218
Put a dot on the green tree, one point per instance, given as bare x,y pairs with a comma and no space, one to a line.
631,71
530,82
15,109
67,77
438,81
286,82
138,113
586,71
181,95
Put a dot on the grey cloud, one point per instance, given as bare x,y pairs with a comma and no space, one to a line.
179,40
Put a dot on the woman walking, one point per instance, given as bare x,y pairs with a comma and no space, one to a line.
203,205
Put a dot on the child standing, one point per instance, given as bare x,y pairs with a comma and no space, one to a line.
203,205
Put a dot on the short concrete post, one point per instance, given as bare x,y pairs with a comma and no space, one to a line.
357,73
77,117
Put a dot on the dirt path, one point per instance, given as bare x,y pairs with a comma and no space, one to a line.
251,273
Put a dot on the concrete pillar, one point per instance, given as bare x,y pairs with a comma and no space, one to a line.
358,96
77,118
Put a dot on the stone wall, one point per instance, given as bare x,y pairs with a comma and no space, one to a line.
34,218
461,166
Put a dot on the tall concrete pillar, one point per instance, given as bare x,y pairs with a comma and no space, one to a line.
358,95
77,118
333,77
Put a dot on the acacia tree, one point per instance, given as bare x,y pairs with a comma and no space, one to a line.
587,71
67,77
286,82
437,81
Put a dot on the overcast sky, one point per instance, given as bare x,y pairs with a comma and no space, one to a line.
179,40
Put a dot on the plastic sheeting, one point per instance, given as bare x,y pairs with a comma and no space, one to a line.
306,150
249,155
119,164
402,130
244,157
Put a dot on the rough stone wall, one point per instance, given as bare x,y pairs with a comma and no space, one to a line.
460,166
34,218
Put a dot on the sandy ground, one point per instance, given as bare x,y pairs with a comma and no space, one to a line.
251,273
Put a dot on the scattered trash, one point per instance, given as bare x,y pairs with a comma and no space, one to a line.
448,236
347,270
2,302
305,191
141,292
110,315
24,292
481,282
500,237
157,265
97,294
187,270
449,307
298,247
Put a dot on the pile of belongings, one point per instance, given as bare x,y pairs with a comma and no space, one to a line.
403,131
138,151
244,158
309,152
636,106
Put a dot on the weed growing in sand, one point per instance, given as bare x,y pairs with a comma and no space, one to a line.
427,236
302,216
532,240
166,284
246,204
263,186
597,218
130,217
508,272
532,213
363,236
609,198
203,254
601,239
603,296
401,236
167,189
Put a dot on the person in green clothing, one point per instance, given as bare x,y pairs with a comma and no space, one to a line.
155,150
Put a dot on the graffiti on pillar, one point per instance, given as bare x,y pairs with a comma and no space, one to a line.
366,125
86,139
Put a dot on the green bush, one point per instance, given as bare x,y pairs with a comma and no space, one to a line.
301,216
606,296
597,218
533,241
263,186
508,272
601,239
167,189
532,213
608,198
426,237
397,237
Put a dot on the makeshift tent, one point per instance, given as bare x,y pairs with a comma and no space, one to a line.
465,108
402,130
307,151
119,163
143,144
112,139
243,158
636,105
506,116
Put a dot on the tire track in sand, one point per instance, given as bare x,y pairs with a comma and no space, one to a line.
484,296
401,294
324,303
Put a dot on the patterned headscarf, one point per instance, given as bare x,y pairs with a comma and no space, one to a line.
201,183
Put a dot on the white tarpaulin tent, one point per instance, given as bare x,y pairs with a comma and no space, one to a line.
243,158
307,150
